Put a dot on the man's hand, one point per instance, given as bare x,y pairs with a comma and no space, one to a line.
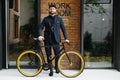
67,41
40,38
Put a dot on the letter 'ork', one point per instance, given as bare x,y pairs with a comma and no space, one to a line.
64,9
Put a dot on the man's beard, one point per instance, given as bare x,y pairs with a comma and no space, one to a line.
52,13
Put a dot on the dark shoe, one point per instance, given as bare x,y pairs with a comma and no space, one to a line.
51,73
57,71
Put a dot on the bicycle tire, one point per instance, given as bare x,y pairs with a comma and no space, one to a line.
71,64
26,64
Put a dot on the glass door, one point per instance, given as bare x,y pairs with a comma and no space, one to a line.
98,30
21,27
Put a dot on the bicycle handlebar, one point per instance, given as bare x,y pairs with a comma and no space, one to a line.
61,43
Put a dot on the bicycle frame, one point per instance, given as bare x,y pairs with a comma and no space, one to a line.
62,50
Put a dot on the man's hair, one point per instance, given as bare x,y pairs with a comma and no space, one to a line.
52,6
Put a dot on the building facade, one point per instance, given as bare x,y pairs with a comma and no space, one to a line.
15,24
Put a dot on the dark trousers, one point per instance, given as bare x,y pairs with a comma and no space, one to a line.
56,49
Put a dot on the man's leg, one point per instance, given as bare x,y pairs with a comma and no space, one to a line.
48,53
56,51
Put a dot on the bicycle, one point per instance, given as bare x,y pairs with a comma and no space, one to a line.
31,62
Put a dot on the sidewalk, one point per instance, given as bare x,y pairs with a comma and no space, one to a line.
88,74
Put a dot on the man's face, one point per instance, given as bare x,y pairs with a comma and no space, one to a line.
52,10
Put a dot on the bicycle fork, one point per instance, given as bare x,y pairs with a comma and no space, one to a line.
68,57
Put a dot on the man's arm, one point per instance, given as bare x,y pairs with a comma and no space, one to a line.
42,25
63,30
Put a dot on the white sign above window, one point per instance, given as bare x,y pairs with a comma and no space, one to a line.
97,1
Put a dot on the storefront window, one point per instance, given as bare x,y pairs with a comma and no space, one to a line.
98,25
21,28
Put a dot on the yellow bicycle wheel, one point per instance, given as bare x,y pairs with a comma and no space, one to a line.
29,63
71,64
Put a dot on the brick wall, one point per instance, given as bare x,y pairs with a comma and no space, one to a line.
69,10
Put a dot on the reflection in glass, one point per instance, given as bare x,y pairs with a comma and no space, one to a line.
22,26
98,36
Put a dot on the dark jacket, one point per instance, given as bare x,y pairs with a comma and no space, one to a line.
52,28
